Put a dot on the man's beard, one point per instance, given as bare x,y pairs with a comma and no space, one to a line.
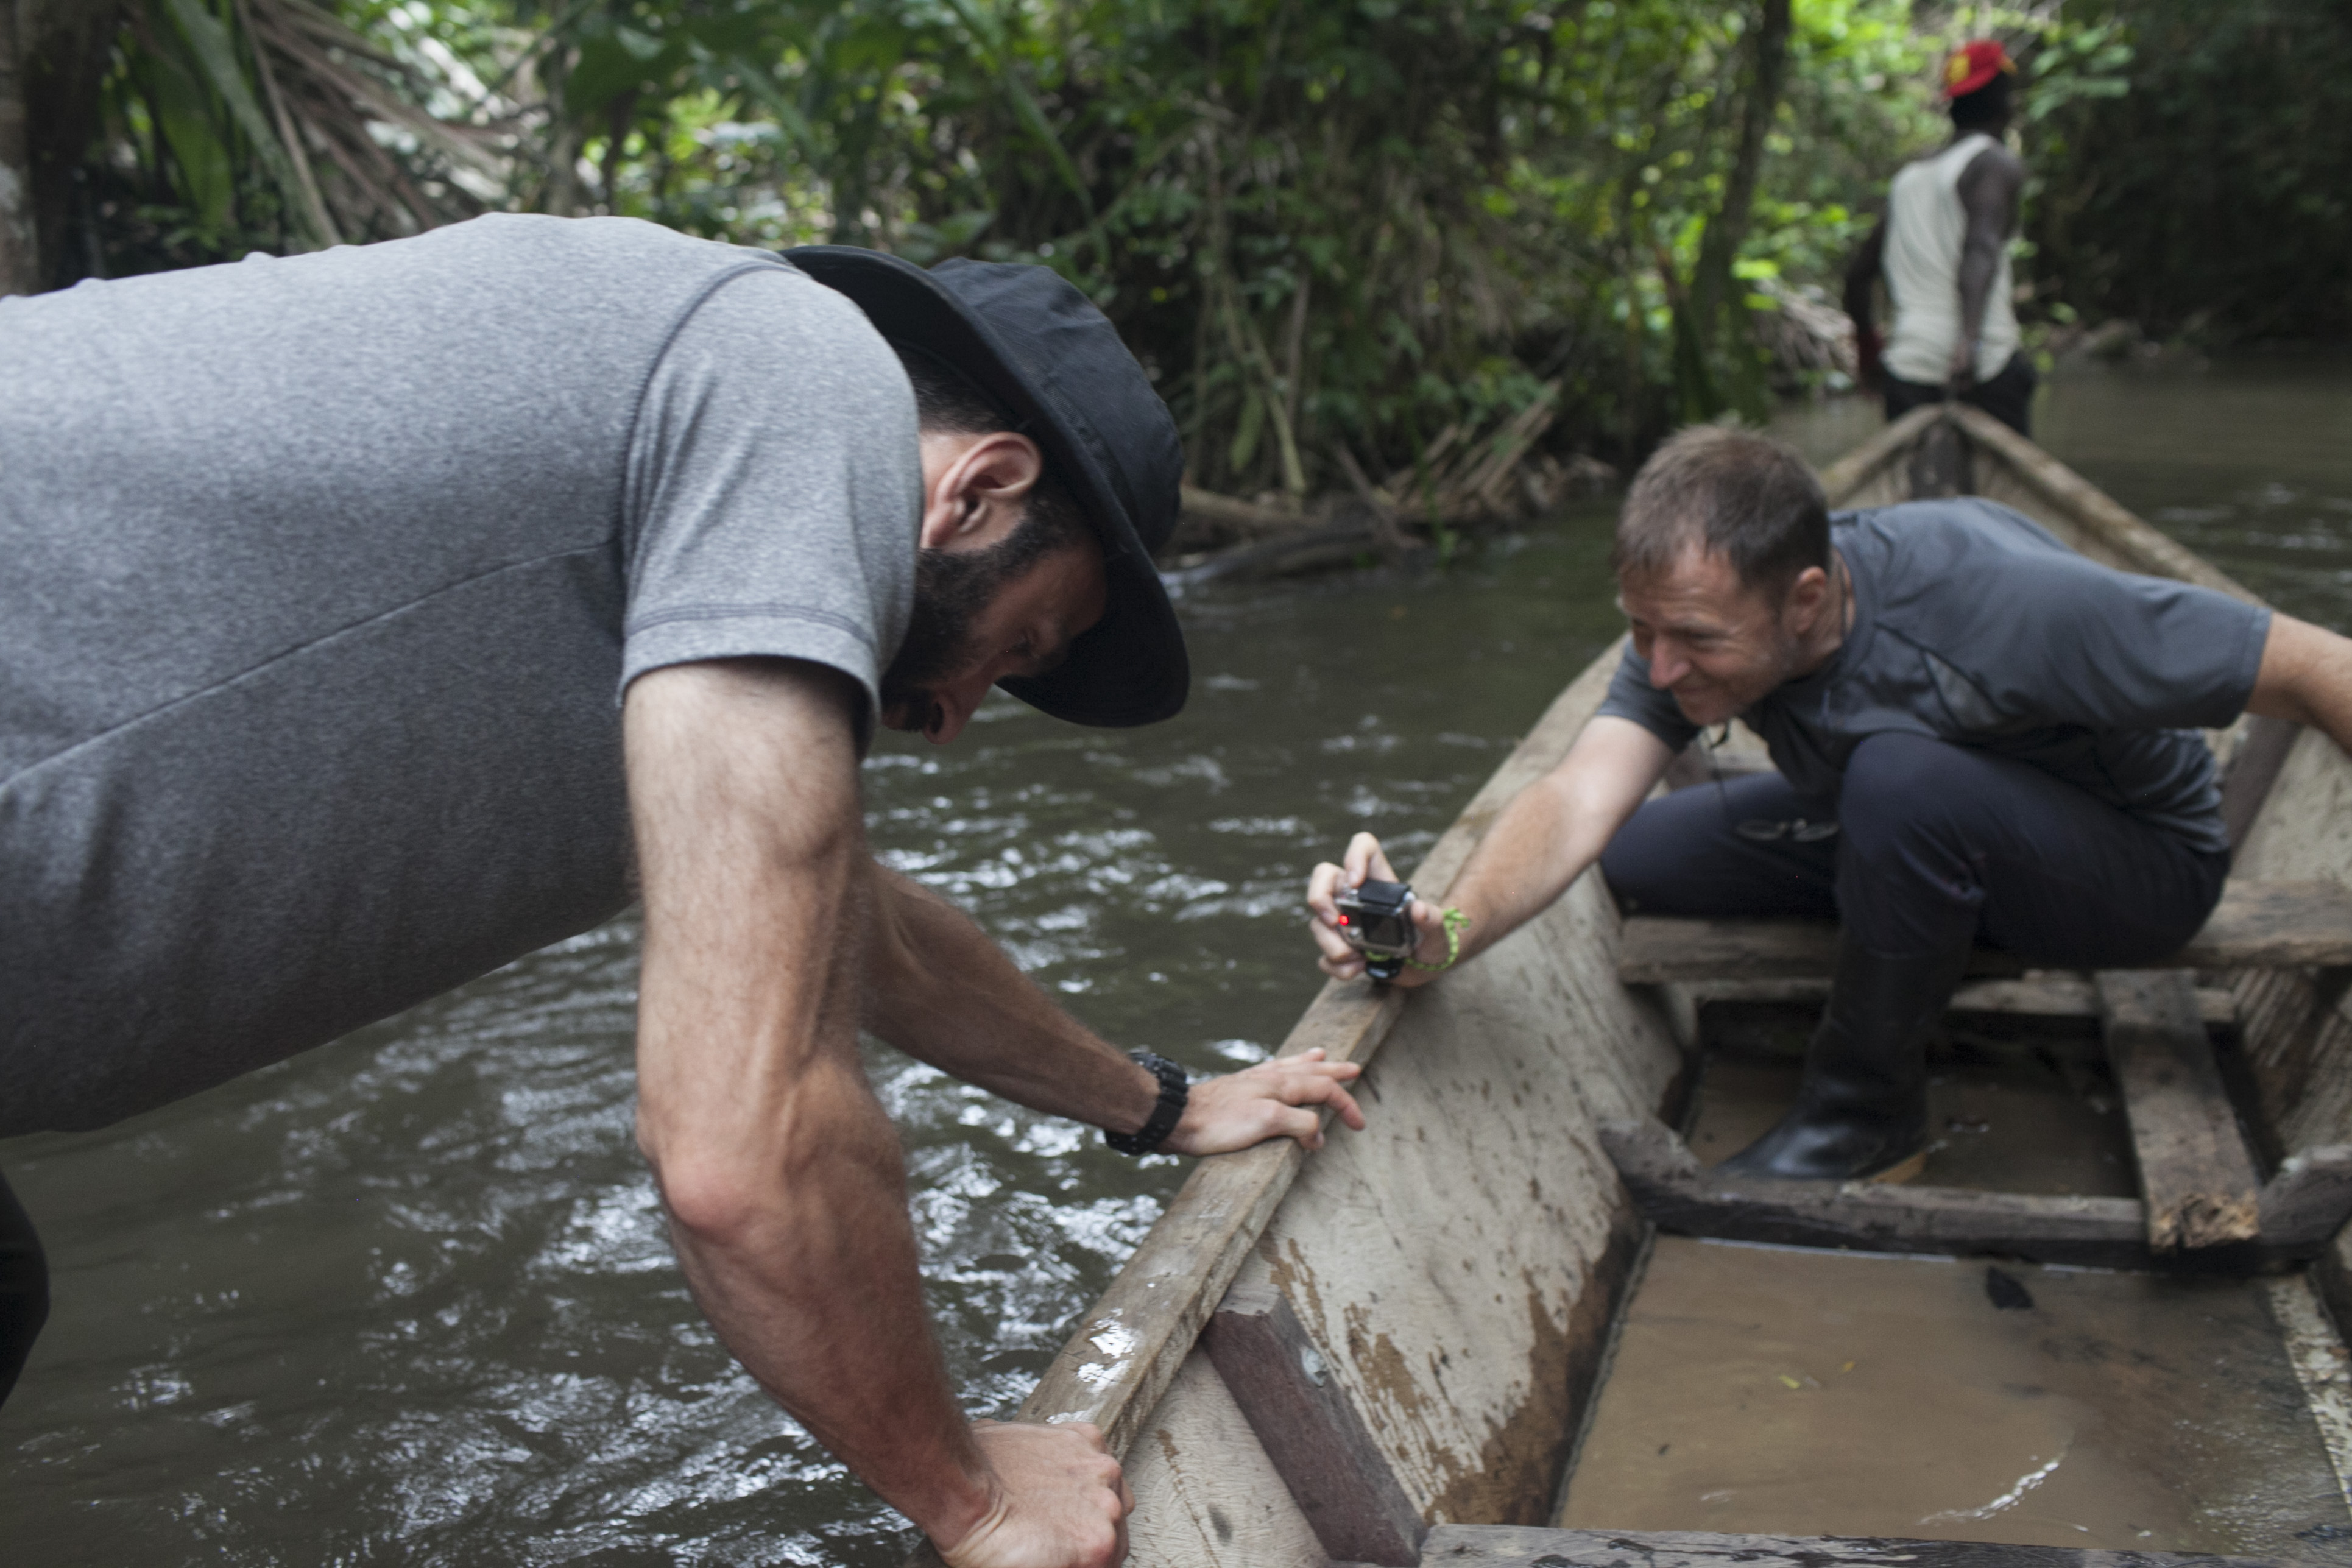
952,590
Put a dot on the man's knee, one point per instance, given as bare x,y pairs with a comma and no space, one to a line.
1647,864
1685,854
1900,796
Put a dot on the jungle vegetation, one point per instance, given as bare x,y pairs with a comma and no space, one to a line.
1339,232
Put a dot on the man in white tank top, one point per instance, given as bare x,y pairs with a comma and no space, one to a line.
1943,249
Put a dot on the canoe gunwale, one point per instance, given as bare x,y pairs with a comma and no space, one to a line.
1132,1341
1848,475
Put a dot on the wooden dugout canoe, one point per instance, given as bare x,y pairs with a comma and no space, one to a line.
1448,1280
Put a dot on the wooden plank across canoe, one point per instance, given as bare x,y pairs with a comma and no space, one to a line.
2257,925
2196,1173
1312,1434
2297,1214
1509,1546
2045,996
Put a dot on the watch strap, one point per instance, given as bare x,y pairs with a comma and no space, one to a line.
1175,1089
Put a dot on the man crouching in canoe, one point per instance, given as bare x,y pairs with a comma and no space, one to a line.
368,615
1980,736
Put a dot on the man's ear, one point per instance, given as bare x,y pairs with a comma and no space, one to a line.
1802,605
979,490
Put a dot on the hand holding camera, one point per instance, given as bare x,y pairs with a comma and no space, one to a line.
1376,919
1367,922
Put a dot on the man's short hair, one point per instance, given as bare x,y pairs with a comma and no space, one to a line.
1733,492
947,402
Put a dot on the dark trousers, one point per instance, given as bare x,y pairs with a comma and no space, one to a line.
1935,845
2007,397
23,1288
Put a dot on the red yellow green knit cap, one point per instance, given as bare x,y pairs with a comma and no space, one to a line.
1973,65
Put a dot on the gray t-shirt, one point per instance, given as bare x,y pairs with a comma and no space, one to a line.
1974,624
322,579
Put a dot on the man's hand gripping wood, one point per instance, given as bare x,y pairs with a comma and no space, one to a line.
782,1177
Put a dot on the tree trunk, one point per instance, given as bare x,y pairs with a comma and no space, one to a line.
53,58
1727,227
562,193
20,251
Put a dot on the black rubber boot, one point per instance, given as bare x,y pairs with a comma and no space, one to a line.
1862,1111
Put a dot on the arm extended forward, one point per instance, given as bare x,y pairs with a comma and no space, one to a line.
1551,831
938,989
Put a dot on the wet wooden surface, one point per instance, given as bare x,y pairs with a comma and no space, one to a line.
2306,1205
2049,995
1488,1546
2197,1177
2256,925
1309,1428
1675,1195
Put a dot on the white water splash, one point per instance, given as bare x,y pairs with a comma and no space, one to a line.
2006,1500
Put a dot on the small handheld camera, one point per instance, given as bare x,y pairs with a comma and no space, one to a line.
1376,919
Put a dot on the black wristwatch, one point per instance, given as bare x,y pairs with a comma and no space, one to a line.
1174,1089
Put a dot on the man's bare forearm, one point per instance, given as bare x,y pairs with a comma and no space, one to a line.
2306,678
1979,265
1554,829
1536,847
781,1175
1988,192
938,989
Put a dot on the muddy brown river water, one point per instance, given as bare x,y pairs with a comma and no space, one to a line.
1785,1391
406,1300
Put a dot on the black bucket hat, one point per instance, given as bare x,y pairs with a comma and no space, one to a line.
1030,340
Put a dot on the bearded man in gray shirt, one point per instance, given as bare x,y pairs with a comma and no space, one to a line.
1978,735
368,614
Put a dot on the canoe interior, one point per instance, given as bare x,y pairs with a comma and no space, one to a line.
1460,1266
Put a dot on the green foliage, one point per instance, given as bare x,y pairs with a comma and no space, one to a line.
234,125
1327,226
2215,196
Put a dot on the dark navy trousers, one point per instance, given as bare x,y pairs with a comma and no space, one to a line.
1934,845
2008,396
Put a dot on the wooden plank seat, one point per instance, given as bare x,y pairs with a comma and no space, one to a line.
2257,925
2049,995
2196,1173
2298,1212
1522,1546
2200,1189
